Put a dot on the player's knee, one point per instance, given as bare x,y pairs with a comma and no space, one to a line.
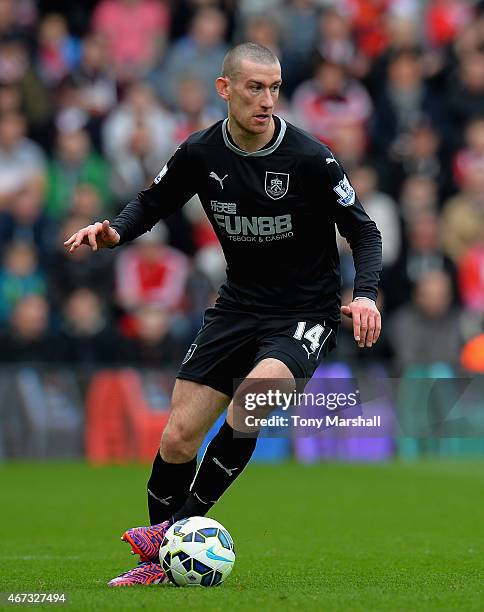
270,368
178,444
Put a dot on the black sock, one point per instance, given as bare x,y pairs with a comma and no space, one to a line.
168,487
224,460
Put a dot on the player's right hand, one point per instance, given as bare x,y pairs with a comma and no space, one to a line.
97,236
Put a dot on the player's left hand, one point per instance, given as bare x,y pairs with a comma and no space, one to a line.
366,321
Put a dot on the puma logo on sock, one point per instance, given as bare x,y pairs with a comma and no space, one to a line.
161,500
229,471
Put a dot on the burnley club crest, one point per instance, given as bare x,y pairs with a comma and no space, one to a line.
277,184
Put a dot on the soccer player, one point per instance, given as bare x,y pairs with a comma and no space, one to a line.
273,195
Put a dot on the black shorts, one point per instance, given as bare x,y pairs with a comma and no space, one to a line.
230,343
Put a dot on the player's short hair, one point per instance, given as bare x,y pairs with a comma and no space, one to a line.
250,51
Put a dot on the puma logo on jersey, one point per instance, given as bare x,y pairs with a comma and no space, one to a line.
229,471
216,177
331,160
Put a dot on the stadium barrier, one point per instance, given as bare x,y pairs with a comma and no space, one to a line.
120,424
118,415
416,401
42,414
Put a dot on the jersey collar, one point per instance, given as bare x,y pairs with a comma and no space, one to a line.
260,152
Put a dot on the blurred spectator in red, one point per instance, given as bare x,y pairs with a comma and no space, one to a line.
471,157
471,277
426,331
153,343
138,137
199,54
74,163
28,338
22,161
368,19
423,254
86,336
81,269
463,216
58,51
329,101
381,208
193,111
150,272
472,356
466,91
135,31
26,221
404,102
445,18
19,276
16,70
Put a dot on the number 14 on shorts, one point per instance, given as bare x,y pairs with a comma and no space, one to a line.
313,335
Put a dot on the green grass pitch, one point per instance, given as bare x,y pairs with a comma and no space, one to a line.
327,537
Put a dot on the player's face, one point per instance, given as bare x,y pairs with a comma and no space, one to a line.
252,95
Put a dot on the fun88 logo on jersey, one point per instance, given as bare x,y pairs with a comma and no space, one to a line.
238,228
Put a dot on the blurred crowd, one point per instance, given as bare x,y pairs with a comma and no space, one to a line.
96,95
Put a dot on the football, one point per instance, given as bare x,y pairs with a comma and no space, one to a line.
197,551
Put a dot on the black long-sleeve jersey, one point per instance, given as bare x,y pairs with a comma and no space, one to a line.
274,212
